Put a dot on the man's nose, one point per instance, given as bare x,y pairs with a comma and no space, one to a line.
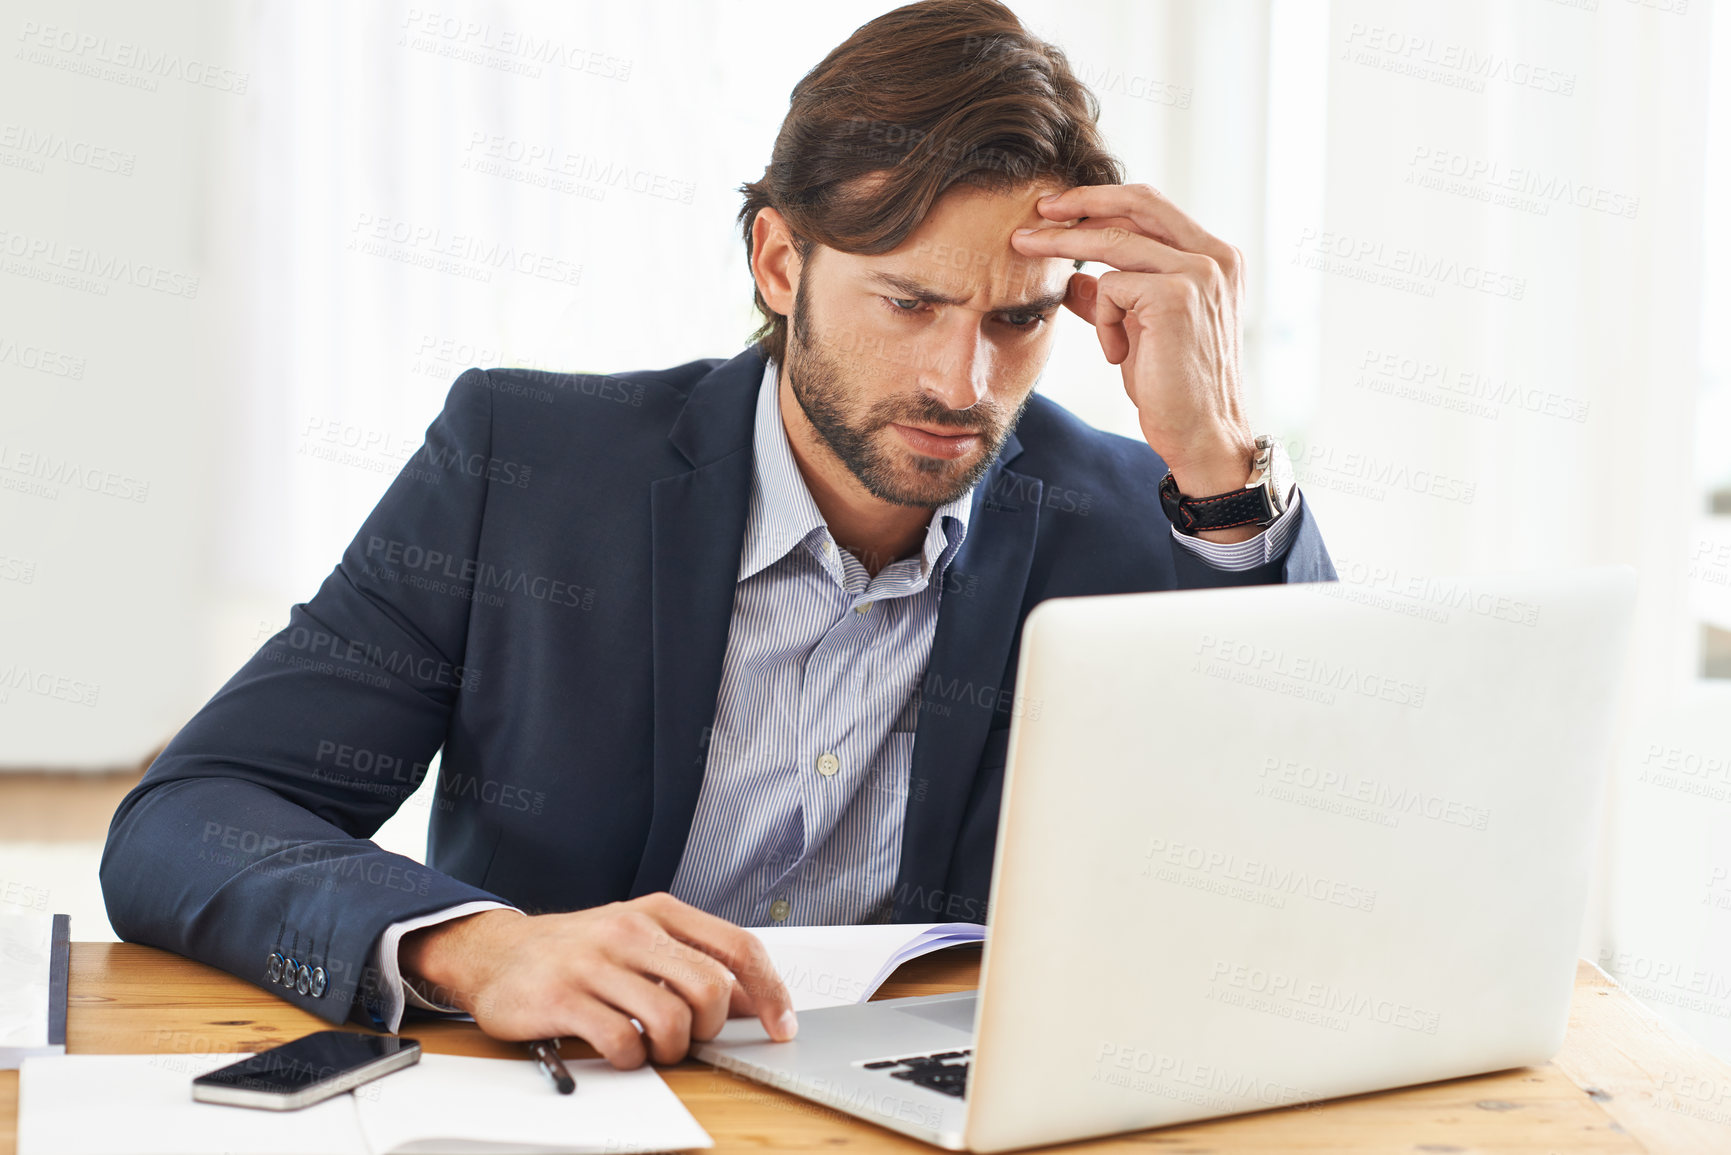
958,372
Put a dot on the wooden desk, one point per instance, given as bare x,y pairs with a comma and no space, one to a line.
1624,1082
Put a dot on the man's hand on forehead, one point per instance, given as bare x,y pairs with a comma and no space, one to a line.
1166,312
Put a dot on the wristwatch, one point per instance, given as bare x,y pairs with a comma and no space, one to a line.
1265,498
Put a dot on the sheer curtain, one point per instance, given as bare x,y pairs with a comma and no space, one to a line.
1474,232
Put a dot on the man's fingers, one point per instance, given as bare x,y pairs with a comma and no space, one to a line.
666,1017
1079,298
756,976
741,952
1119,296
1120,247
769,995
1151,210
1086,301
609,1031
695,976
739,1003
1109,223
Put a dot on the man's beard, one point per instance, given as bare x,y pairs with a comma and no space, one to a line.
823,392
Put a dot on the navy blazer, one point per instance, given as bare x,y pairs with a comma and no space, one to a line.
544,593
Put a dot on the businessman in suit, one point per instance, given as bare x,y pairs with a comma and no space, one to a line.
731,643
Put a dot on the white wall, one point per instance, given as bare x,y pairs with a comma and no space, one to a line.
118,381
267,413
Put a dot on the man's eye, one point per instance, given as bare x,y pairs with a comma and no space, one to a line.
1022,321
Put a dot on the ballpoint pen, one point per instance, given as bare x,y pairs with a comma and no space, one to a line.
546,1052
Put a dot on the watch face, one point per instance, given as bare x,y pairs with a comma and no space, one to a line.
1279,479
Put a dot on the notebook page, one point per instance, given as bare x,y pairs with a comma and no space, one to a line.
25,944
455,1105
828,966
143,1105
939,937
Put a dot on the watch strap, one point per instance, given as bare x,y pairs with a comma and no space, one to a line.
1248,506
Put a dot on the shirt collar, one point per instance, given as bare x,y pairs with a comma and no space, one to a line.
783,515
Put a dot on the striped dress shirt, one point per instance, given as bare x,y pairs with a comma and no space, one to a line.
805,780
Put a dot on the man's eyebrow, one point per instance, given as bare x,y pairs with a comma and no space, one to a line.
912,290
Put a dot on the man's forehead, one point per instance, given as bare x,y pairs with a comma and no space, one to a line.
963,246
961,249
968,262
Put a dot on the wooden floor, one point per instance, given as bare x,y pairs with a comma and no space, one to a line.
64,806
52,828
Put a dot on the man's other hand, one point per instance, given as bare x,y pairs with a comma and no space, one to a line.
679,971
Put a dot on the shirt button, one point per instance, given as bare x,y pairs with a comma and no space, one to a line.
862,607
778,910
828,546
828,764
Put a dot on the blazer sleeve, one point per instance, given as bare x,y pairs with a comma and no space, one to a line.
1306,560
248,837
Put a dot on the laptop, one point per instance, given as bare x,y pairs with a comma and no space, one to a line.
1259,846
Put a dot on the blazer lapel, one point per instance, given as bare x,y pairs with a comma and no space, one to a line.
698,527
979,613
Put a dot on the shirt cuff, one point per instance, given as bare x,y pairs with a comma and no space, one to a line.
1267,546
394,991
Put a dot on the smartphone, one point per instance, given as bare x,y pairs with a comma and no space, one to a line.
307,1070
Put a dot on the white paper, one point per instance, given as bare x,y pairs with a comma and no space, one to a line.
26,951
143,1105
452,1104
829,966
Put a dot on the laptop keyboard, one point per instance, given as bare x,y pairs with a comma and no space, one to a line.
943,1071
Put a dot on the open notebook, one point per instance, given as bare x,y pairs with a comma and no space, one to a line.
143,1105
826,966
33,962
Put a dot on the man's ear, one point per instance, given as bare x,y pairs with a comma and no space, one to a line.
775,263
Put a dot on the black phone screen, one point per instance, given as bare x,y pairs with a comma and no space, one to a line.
306,1062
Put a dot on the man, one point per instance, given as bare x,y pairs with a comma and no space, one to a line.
731,643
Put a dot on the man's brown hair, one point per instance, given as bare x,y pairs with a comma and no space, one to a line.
932,94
